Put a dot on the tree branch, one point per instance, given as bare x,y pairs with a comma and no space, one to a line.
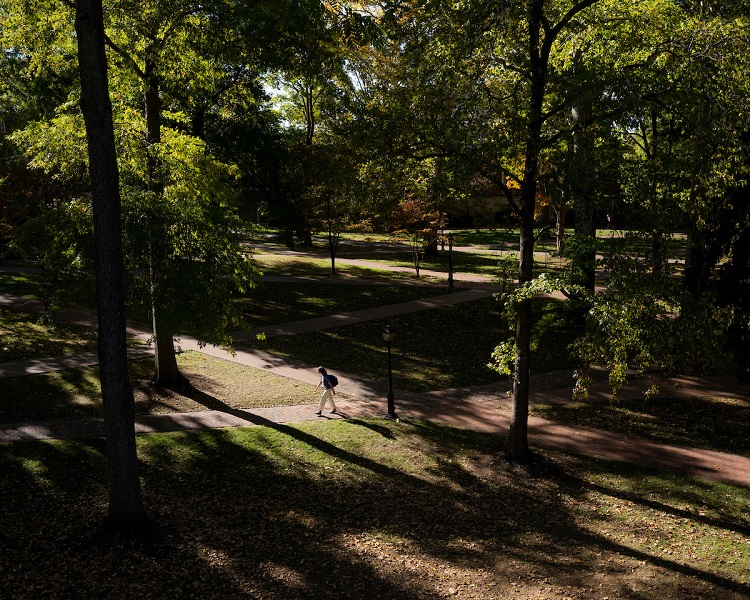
568,17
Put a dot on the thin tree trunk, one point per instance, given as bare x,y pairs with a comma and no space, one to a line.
166,372
698,259
309,102
560,226
539,51
333,237
518,434
127,516
583,197
333,244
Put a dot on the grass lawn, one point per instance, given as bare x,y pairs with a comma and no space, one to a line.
273,303
366,509
214,384
269,303
491,263
433,349
714,422
23,337
305,266
21,284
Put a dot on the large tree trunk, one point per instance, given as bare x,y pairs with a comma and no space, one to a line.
166,372
127,515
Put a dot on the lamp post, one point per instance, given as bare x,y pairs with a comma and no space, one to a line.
450,260
388,337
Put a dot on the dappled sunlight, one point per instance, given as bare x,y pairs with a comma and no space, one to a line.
23,336
59,394
381,509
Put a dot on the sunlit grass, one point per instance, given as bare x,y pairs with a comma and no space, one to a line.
21,284
303,266
23,336
217,384
395,508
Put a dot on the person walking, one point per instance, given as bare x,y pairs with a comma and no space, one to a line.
328,391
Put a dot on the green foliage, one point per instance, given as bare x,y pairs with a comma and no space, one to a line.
503,357
183,236
580,250
183,246
642,328
548,319
61,240
55,146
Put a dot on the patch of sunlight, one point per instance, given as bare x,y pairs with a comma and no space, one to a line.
290,578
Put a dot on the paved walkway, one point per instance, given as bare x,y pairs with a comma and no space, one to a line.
483,408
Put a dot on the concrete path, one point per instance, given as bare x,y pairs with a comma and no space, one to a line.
361,316
483,408
480,409
188,343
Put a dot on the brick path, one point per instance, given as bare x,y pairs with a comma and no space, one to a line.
484,408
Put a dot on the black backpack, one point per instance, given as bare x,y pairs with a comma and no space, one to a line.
332,380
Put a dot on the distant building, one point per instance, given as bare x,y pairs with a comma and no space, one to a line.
483,209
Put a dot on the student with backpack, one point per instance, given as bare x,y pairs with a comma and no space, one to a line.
329,383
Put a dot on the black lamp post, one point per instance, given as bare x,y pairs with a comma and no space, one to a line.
450,260
388,337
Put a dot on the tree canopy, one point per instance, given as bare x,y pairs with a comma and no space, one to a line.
333,115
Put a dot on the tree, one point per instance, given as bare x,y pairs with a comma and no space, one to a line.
29,93
313,90
416,220
684,146
540,36
127,515
145,55
182,233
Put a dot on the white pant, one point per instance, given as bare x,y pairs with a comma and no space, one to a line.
327,395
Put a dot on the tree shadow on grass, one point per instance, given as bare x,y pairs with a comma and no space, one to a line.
379,429
279,512
693,421
679,493
457,475
212,403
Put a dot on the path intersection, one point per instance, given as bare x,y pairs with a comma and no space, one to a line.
485,408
